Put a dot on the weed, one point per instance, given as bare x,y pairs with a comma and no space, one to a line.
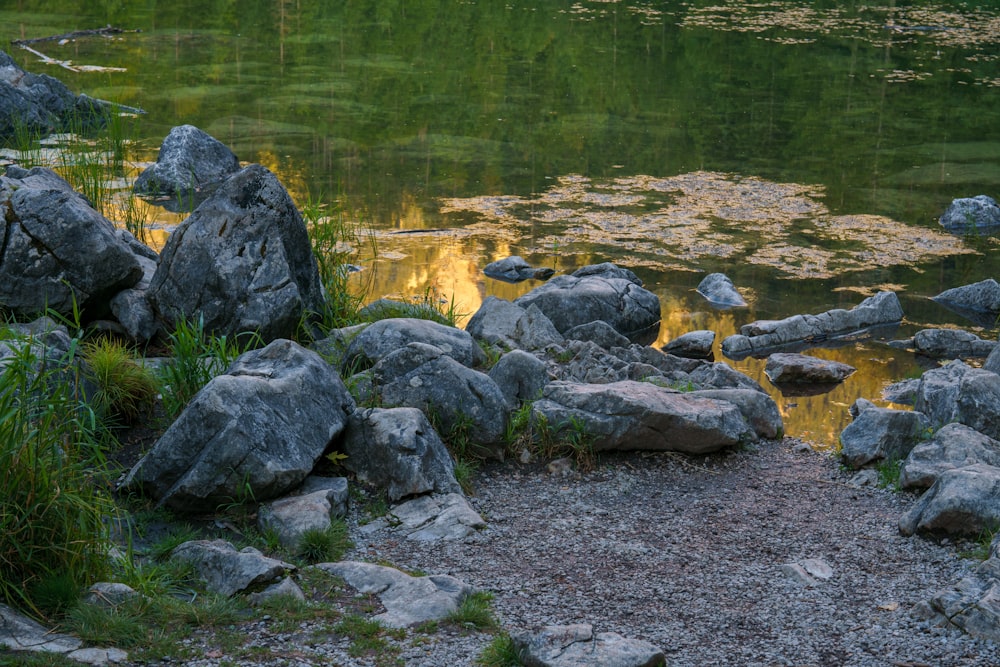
981,545
500,652
125,388
567,438
465,470
565,356
367,638
475,611
324,545
888,473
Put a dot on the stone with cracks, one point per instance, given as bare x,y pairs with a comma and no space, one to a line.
436,517
258,429
227,571
953,446
189,160
384,337
601,292
720,291
692,345
758,409
790,368
578,646
951,344
971,214
398,450
408,600
631,415
515,269
972,604
963,501
20,633
56,251
878,434
978,402
937,392
241,262
520,376
500,322
978,302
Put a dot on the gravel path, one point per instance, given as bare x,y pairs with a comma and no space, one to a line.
685,552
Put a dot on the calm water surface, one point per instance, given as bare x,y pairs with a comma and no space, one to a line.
806,149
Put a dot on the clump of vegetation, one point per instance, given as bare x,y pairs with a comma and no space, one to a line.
324,545
500,652
369,639
126,389
888,473
476,611
527,430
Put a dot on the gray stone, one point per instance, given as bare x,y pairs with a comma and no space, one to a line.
408,600
286,588
992,363
951,344
978,302
384,337
109,594
720,291
578,646
36,103
639,415
500,322
431,518
335,488
881,434
692,345
226,571
241,262
98,656
903,392
600,333
189,160
520,376
56,251
601,292
398,450
803,331
758,409
790,368
293,516
972,604
20,633
971,214
963,501
937,393
978,402
953,446
808,572
259,428
515,269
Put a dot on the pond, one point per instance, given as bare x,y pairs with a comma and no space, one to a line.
806,149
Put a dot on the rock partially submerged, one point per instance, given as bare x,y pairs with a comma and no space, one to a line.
515,269
785,368
720,291
978,302
189,160
692,345
971,215
947,344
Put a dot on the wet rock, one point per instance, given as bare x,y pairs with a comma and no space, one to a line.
436,517
881,434
578,646
56,251
38,103
963,501
951,344
971,215
226,571
979,302
953,446
398,450
720,291
600,292
384,337
692,345
789,368
500,322
241,262
189,160
764,336
408,600
258,428
515,269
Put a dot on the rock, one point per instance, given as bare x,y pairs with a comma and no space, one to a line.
109,594
37,103
520,376
692,345
971,215
226,571
951,344
408,600
808,572
500,322
384,337
881,434
56,251
790,368
953,446
903,392
601,292
293,516
978,402
98,656
578,646
242,262
515,269
335,488
259,428
758,409
286,588
973,604
398,450
600,333
937,392
436,517
20,633
422,376
334,346
385,309
131,306
992,363
763,336
720,291
189,160
963,501
639,415
979,302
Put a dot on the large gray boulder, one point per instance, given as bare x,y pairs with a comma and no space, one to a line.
758,409
520,376
979,302
631,415
242,262
963,501
226,571
407,600
579,646
978,403
951,344
765,336
692,345
38,103
601,292
971,215
953,446
256,431
424,377
189,160
791,368
56,251
937,392
720,291
504,324
384,337
398,450
878,434
972,604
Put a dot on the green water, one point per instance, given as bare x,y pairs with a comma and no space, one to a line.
804,148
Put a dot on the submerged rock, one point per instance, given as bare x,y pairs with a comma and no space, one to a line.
978,302
790,368
515,269
720,291
971,214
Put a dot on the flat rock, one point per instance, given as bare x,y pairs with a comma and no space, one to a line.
578,646
692,345
515,269
227,571
953,446
790,368
436,517
20,633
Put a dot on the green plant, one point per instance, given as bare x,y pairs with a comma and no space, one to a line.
567,438
888,473
500,652
367,638
53,511
475,611
465,470
324,545
980,549
125,388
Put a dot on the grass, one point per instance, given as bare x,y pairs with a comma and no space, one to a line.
500,652
369,639
981,545
476,611
528,430
126,389
888,473
321,546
